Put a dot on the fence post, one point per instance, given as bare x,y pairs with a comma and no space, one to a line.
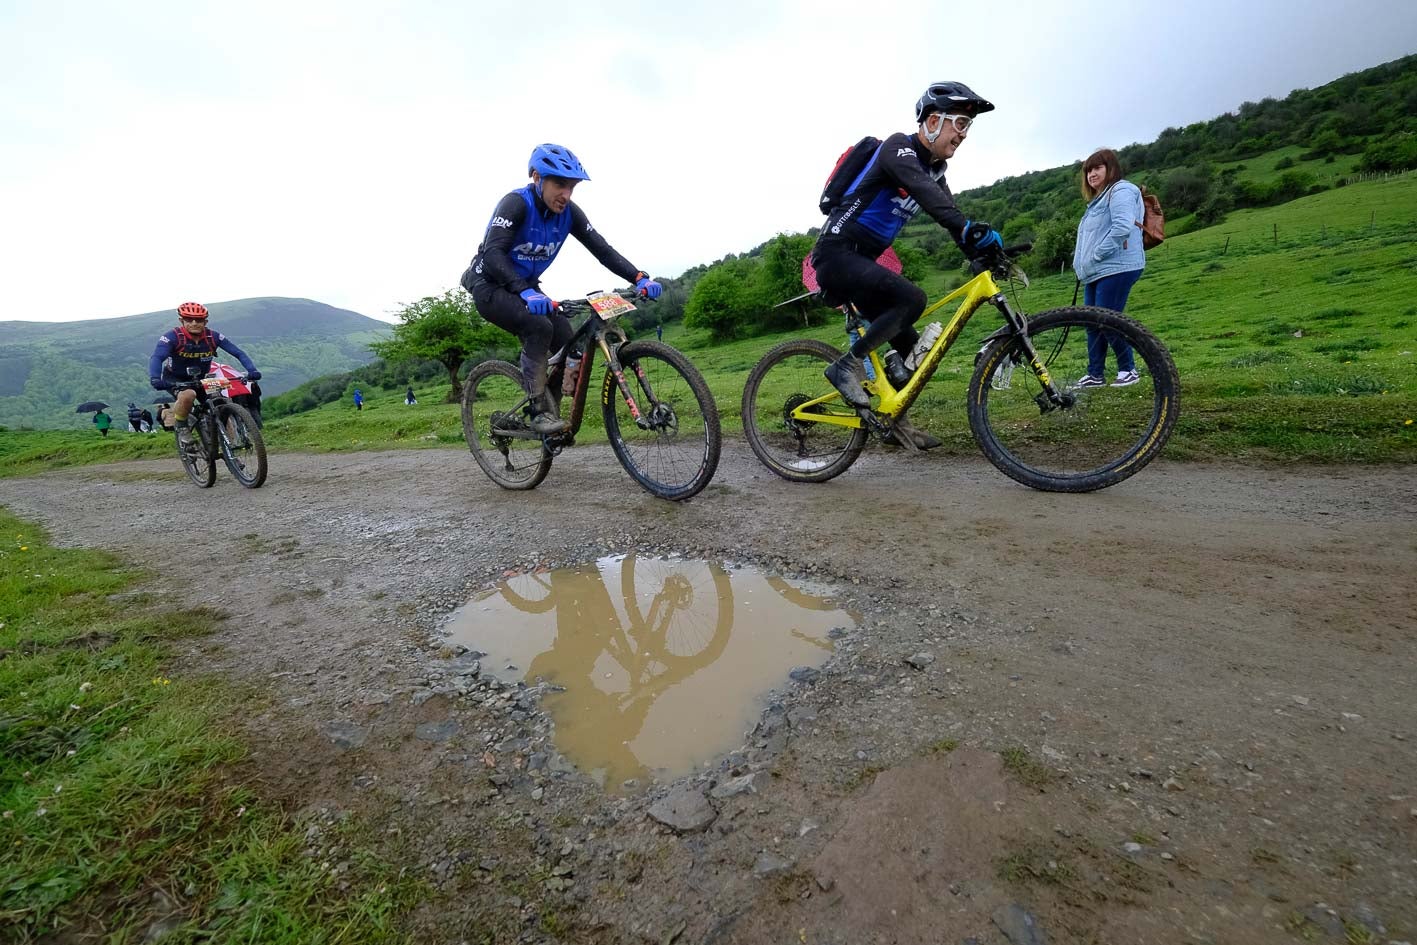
1226,248
1276,232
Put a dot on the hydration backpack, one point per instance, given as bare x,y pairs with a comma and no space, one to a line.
1153,220
848,167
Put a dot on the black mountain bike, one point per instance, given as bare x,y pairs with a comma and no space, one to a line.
223,428
659,416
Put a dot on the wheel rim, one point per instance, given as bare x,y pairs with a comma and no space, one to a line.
796,445
668,445
195,462
238,449
1099,429
491,406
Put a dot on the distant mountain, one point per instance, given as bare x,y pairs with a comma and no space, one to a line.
47,368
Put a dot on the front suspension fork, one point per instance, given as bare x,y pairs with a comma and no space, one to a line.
617,371
1051,396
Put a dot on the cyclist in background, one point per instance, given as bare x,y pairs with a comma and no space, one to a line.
906,175
527,230
184,354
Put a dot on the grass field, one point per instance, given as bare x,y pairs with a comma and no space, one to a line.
1294,329
124,799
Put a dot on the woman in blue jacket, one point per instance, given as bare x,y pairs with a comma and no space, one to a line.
1108,260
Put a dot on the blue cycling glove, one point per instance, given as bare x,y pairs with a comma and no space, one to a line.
977,237
158,383
536,303
253,375
646,286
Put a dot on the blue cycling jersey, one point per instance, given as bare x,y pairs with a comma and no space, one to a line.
523,238
898,182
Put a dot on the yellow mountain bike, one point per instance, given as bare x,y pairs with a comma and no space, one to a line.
1025,410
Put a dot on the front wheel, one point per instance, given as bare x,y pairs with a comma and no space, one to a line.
667,434
243,449
198,457
495,427
1102,432
799,450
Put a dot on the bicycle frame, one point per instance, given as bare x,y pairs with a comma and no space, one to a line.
597,330
972,295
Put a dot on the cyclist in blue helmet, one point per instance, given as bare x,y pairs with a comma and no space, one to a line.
527,230
905,175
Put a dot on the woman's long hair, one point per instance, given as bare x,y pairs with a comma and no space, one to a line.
1102,157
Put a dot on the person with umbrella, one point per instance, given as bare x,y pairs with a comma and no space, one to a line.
97,408
184,354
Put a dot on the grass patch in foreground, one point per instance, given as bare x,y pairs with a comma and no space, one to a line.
120,800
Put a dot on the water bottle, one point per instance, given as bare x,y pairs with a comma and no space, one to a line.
571,373
896,371
852,336
922,347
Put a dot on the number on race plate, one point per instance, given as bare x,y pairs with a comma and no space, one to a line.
608,305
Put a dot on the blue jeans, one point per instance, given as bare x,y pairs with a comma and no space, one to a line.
1109,292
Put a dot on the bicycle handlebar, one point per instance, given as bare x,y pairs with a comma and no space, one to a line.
574,306
999,260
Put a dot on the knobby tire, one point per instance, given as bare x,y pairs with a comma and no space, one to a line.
1107,435
496,386
669,463
780,442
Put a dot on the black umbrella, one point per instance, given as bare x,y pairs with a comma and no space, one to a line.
164,399
89,406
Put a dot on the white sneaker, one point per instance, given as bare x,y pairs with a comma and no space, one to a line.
1088,380
1126,379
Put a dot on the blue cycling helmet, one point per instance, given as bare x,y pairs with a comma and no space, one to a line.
555,161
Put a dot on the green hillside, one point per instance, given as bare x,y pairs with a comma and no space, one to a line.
47,368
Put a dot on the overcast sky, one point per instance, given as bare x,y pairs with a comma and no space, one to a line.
351,152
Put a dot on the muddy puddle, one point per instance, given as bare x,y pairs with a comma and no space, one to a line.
665,662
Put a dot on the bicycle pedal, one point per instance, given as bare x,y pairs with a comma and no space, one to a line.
873,423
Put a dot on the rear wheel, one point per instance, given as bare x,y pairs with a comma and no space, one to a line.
496,430
1101,434
671,448
198,458
787,377
242,447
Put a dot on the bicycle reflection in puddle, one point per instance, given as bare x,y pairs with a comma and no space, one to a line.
664,661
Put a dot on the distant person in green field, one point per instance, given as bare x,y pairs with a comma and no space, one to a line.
102,421
358,399
408,398
1108,260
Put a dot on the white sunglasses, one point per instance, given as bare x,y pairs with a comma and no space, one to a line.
960,122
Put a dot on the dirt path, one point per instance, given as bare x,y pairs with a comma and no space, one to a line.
1211,669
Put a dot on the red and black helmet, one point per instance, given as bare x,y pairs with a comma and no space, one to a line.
192,310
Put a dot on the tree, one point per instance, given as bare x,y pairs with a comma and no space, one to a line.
444,328
1186,188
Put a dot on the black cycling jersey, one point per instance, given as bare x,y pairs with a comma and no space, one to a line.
524,236
899,181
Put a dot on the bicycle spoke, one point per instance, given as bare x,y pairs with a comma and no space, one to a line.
495,427
669,439
789,379
1100,434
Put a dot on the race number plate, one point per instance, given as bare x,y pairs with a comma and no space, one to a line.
608,305
214,384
